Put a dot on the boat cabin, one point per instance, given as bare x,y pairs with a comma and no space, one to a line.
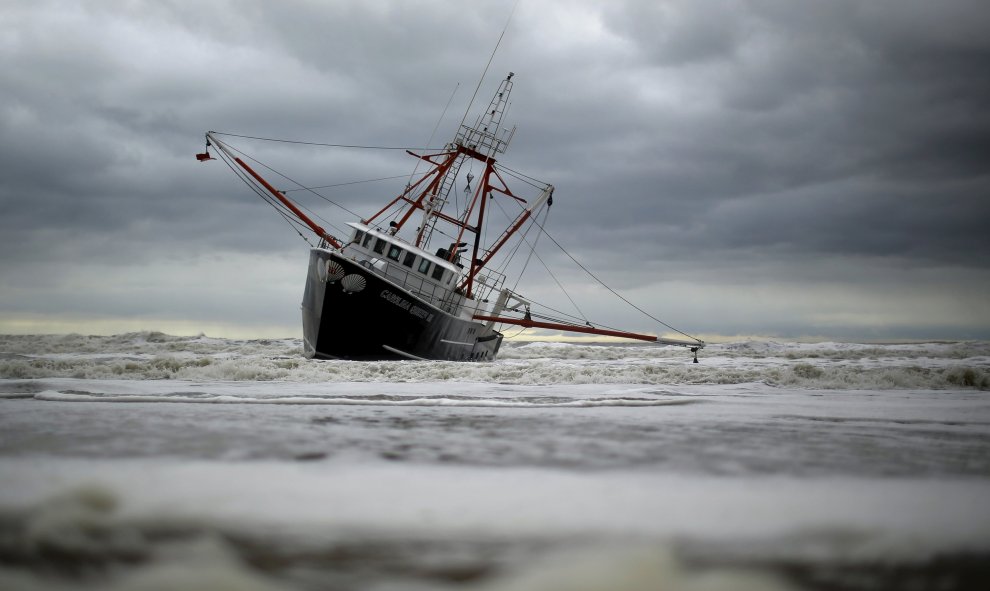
429,276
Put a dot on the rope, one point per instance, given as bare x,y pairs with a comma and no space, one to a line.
532,252
355,146
536,183
384,178
615,293
537,223
434,132
562,289
279,207
467,111
295,182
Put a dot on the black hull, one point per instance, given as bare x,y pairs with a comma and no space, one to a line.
343,319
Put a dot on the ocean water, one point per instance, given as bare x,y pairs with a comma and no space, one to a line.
146,461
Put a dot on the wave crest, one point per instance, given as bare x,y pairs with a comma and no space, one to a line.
156,356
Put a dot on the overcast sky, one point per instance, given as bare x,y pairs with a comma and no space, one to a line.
778,168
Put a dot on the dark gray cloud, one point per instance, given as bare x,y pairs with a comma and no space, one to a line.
720,161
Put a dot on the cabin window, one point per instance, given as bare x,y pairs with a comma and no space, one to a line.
424,266
380,245
394,252
358,236
367,240
438,272
410,258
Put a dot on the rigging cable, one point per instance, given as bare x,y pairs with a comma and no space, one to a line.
328,200
532,249
503,268
546,267
419,161
384,178
535,183
490,58
354,146
279,207
585,269
615,293
434,132
291,180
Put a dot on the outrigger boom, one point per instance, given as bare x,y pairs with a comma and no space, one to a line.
529,323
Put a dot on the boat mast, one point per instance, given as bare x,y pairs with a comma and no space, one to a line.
480,142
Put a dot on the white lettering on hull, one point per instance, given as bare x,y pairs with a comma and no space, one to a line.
396,299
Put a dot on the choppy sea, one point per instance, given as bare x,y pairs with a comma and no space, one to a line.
146,461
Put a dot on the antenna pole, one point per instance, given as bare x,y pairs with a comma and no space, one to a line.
490,58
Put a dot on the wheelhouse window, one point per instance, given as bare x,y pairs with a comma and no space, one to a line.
409,259
394,252
358,236
367,240
424,266
438,272
380,245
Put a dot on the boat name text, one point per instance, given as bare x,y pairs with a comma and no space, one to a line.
406,305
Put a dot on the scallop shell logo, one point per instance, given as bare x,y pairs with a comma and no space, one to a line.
334,271
353,283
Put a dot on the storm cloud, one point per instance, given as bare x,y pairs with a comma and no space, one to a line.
761,167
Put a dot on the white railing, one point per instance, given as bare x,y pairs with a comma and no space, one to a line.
416,283
447,299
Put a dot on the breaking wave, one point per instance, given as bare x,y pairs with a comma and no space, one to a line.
157,356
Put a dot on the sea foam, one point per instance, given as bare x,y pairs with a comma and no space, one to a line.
155,356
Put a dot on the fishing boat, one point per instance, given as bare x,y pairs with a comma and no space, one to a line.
423,277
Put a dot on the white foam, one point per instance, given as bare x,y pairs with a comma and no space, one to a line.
152,356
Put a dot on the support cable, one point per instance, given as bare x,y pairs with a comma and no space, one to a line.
532,182
537,223
304,143
485,71
384,178
532,252
297,183
532,249
279,208
615,293
434,132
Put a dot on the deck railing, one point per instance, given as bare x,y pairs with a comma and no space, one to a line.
446,298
